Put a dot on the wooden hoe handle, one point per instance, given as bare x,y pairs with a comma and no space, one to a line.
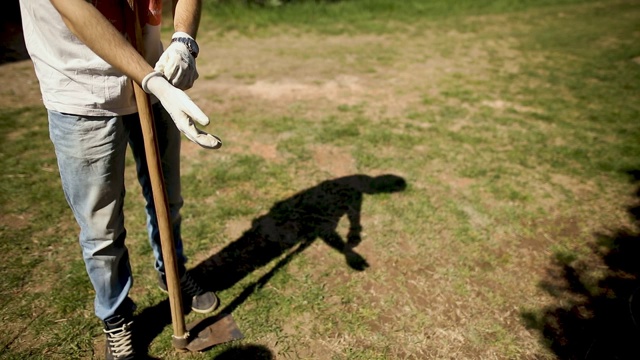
180,335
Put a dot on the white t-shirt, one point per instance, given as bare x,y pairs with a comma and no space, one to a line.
73,79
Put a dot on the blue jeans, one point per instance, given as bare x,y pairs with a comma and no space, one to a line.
91,158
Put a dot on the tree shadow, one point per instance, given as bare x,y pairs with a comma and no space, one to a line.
12,47
289,227
597,319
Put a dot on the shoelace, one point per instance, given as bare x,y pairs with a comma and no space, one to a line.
120,340
190,287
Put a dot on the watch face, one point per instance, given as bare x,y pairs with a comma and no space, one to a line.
192,46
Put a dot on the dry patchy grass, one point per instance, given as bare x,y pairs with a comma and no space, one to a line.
479,258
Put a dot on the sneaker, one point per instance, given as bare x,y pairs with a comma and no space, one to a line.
119,345
201,301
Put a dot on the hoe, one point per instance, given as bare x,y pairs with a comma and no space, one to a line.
199,335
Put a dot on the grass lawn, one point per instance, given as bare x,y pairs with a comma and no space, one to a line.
398,180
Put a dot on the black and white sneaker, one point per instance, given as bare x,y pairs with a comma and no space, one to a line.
201,301
118,329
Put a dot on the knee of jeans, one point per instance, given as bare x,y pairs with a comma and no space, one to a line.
102,243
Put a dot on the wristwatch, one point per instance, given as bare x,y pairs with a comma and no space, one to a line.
191,44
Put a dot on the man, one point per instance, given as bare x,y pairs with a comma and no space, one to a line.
84,64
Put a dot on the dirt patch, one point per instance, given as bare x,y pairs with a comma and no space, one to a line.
15,221
267,151
455,182
335,161
577,187
506,105
235,228
24,89
290,89
282,70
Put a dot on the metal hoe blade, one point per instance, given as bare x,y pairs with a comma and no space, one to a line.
206,333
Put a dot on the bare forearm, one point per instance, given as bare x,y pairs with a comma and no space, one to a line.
95,31
186,17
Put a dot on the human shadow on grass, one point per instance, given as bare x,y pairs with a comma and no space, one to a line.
289,227
601,321
294,224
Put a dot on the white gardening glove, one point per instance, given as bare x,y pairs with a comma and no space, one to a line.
183,111
177,63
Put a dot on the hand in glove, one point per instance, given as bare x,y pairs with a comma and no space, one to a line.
183,111
177,63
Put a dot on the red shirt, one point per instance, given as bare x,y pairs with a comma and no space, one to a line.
118,11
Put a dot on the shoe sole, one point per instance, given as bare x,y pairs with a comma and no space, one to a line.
199,311
206,311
